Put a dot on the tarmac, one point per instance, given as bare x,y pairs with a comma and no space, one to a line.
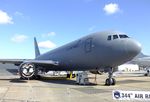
12,89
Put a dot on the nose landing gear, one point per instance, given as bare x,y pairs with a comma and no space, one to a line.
110,81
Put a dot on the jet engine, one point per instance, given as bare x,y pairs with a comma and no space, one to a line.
27,70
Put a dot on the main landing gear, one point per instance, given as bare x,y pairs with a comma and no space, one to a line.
110,81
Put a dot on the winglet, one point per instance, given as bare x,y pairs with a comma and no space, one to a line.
37,51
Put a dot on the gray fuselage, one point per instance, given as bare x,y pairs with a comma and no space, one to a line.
93,52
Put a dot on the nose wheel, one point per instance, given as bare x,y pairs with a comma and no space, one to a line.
110,81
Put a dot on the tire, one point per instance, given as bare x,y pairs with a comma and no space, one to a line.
68,75
113,81
73,75
38,77
107,82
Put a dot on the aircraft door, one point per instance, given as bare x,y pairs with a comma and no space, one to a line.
88,45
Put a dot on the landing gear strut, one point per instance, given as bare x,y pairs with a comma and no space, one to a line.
110,81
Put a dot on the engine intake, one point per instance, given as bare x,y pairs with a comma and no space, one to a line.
27,70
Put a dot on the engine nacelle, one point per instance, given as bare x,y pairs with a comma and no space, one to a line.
27,70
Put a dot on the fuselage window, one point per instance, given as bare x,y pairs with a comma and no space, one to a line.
115,36
109,37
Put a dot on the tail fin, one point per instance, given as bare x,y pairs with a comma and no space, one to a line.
37,51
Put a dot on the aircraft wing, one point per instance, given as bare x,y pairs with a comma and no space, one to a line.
38,62
141,62
12,61
43,62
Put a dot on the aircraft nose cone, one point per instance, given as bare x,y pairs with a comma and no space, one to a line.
133,48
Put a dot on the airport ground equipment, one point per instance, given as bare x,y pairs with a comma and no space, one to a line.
82,78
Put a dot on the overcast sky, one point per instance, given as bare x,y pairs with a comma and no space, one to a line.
57,22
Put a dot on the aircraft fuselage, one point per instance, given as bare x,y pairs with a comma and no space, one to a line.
94,51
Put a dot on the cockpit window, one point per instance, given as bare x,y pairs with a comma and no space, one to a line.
123,36
115,36
109,37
